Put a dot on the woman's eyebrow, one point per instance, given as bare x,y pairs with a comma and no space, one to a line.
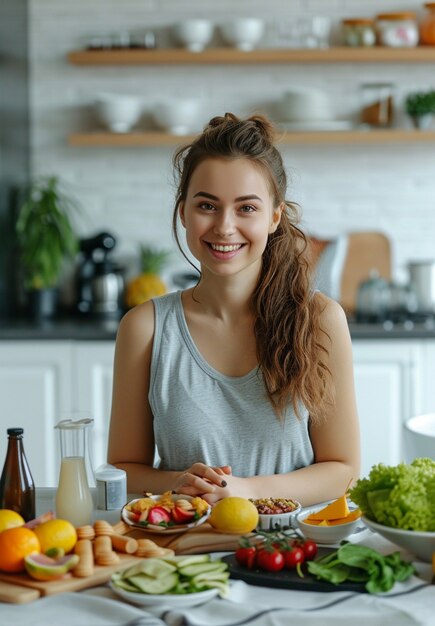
239,199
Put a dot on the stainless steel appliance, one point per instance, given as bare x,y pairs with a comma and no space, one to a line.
100,282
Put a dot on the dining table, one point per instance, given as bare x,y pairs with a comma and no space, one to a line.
409,603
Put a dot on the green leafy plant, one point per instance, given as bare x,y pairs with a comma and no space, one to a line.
400,496
45,234
420,103
357,563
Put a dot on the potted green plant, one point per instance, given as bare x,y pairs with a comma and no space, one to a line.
420,106
45,238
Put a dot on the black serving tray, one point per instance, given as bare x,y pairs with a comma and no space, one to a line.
289,579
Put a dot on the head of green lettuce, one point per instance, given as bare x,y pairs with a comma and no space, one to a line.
400,496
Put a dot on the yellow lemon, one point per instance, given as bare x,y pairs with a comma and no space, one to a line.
56,533
10,519
234,515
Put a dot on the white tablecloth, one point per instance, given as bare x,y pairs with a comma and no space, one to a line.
408,604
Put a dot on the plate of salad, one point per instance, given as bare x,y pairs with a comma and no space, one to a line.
178,581
167,513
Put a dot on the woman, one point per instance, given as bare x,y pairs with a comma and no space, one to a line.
244,382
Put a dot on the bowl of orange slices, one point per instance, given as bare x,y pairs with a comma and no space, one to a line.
331,523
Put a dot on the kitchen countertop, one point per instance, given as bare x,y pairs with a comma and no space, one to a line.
76,329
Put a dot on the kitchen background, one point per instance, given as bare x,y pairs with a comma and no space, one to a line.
130,191
341,188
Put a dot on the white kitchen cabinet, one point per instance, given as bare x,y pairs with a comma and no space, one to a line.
35,388
389,386
93,373
42,382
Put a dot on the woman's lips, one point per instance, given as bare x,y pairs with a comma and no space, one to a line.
224,250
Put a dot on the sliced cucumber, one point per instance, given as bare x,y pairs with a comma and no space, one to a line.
210,576
151,567
154,585
201,568
215,584
125,584
183,561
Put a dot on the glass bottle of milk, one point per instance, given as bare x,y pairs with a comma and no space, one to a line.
73,497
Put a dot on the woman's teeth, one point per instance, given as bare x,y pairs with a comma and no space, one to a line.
226,248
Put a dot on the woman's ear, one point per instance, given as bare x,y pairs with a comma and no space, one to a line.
276,218
181,213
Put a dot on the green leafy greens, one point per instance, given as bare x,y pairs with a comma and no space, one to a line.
357,563
401,496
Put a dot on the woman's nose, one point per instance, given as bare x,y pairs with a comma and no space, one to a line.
224,224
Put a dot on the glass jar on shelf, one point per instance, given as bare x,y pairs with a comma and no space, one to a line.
377,109
427,26
397,30
358,32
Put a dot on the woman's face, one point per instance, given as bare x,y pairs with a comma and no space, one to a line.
228,215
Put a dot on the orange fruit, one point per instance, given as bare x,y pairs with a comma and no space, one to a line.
56,533
234,515
15,544
10,519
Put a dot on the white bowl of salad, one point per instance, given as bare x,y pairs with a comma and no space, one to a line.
166,513
421,544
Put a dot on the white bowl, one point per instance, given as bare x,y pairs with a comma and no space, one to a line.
420,436
243,33
178,117
118,112
421,544
193,34
301,105
163,530
278,521
325,534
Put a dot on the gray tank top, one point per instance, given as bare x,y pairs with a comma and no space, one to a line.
201,415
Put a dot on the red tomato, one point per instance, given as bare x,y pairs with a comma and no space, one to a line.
246,556
293,557
270,561
310,550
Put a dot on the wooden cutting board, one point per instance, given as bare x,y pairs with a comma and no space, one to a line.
20,588
365,251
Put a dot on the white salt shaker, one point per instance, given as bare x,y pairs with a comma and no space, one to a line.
111,487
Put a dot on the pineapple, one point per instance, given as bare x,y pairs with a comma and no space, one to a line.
148,284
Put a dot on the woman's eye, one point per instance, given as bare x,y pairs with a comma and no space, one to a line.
206,206
247,208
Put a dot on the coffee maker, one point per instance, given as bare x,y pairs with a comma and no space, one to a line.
100,282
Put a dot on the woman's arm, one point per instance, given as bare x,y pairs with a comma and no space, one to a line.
131,435
335,438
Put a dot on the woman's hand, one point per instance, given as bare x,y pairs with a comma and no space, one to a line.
201,479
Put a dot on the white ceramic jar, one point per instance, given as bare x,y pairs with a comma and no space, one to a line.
397,30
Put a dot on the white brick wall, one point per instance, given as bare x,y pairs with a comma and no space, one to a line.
129,191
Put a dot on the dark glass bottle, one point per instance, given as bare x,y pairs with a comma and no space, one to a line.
17,490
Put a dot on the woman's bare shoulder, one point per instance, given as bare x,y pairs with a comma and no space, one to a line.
332,316
138,323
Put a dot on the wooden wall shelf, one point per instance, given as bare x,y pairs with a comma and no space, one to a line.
223,56
156,138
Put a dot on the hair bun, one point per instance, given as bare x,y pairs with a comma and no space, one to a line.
257,122
265,127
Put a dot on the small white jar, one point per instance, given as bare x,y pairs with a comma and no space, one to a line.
111,487
397,30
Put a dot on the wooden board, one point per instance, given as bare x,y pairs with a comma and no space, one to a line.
288,579
20,588
366,251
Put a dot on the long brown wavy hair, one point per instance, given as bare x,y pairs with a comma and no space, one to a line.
287,316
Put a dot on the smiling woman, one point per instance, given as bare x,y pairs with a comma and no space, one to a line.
243,382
